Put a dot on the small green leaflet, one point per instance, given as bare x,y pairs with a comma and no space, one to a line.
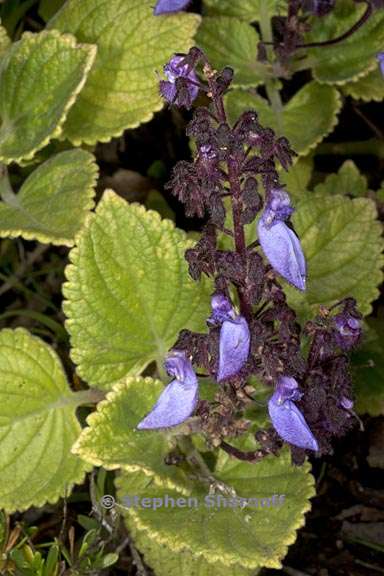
128,291
38,424
368,370
370,87
352,58
341,240
133,45
314,108
53,202
347,181
247,10
231,42
40,78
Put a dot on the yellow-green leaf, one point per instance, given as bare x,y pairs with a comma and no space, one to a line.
38,424
133,45
129,293
53,202
40,78
308,117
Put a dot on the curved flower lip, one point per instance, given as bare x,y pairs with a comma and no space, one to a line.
286,417
179,398
235,338
283,249
168,6
234,347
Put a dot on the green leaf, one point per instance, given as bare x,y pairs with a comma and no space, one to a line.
53,202
341,240
241,539
132,45
314,108
298,177
4,41
37,424
48,8
129,293
352,58
168,563
368,370
231,42
348,180
248,10
370,87
40,78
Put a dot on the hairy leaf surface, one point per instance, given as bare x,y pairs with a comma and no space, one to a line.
129,293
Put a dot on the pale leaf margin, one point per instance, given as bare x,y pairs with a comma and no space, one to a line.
89,193
71,41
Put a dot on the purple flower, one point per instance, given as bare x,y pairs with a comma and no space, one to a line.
346,403
348,330
286,418
167,6
279,243
179,399
181,87
234,337
380,59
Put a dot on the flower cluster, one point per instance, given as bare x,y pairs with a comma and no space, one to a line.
252,332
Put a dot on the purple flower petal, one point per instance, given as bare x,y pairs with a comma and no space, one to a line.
179,95
179,399
166,6
290,424
234,347
283,250
348,330
222,309
380,59
287,389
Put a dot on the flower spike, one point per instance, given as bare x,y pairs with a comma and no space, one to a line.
179,399
286,418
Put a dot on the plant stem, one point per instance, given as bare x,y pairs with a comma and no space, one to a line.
270,83
238,229
90,396
372,147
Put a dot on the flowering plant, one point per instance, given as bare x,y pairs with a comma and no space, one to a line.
190,278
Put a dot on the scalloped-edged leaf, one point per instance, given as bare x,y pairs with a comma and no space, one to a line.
352,58
231,42
111,441
166,563
40,78
308,117
368,371
348,180
248,10
129,293
53,202
342,243
38,425
241,539
370,87
132,45
298,177
4,41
